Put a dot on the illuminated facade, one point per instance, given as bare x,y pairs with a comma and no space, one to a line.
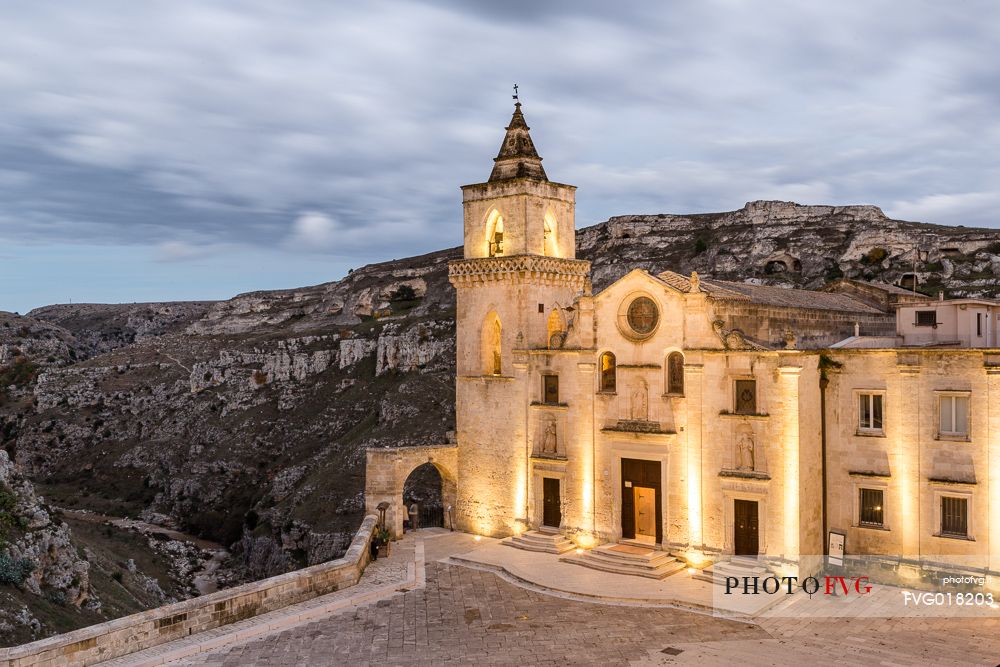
698,416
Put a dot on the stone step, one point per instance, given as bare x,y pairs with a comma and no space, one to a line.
737,567
661,571
650,566
552,543
630,559
631,553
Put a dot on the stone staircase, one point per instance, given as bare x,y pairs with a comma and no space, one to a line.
545,541
739,566
639,561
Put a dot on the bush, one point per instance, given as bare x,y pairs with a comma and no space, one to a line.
18,373
875,256
403,293
14,571
700,246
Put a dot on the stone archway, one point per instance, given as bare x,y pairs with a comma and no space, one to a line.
386,472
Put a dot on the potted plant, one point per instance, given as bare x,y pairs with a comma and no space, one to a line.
381,540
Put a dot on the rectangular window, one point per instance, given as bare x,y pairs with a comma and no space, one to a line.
870,412
926,318
746,397
955,516
979,325
550,388
872,512
954,415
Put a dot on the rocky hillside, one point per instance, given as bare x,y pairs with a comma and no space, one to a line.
782,243
246,421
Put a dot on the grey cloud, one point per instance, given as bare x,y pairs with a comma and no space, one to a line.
205,124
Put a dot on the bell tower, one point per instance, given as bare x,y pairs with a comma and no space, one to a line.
519,266
519,211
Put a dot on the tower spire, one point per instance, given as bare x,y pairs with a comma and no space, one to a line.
517,157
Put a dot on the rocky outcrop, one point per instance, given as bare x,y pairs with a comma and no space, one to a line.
407,349
101,327
783,243
37,553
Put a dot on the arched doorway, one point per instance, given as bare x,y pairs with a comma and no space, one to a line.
424,488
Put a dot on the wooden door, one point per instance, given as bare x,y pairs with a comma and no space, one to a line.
644,474
645,513
551,509
745,532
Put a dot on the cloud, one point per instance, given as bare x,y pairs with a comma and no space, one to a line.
143,124
966,208
179,251
313,231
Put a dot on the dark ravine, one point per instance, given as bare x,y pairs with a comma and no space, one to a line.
244,422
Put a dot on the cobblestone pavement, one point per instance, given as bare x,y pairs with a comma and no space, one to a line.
468,616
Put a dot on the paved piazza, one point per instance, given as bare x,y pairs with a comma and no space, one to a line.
461,615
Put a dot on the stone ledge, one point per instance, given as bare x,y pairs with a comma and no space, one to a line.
122,636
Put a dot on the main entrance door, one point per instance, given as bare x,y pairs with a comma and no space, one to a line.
642,511
551,510
745,535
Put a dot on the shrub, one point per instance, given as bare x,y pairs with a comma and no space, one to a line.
14,571
700,246
875,256
403,293
18,373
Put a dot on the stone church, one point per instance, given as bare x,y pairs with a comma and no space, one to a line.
692,419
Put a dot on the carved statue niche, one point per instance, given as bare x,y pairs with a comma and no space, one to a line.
639,402
746,455
550,440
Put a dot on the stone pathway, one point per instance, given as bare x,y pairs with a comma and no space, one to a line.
449,614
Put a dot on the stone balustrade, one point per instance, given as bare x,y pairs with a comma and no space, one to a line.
122,636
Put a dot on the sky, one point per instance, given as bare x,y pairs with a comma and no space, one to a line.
196,149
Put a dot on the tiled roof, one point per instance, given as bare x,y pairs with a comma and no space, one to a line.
769,295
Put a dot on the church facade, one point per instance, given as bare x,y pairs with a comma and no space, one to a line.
701,417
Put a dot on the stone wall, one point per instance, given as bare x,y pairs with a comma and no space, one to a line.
137,632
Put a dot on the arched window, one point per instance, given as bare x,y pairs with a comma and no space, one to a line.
609,372
550,246
491,352
494,234
675,373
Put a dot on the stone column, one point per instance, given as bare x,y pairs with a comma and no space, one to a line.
692,505
787,415
993,475
584,431
908,456
522,497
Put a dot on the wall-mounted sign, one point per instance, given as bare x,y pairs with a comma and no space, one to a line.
836,548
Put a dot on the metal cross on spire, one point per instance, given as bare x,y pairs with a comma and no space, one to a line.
516,99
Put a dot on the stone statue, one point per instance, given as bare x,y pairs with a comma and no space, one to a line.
549,441
640,406
745,459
